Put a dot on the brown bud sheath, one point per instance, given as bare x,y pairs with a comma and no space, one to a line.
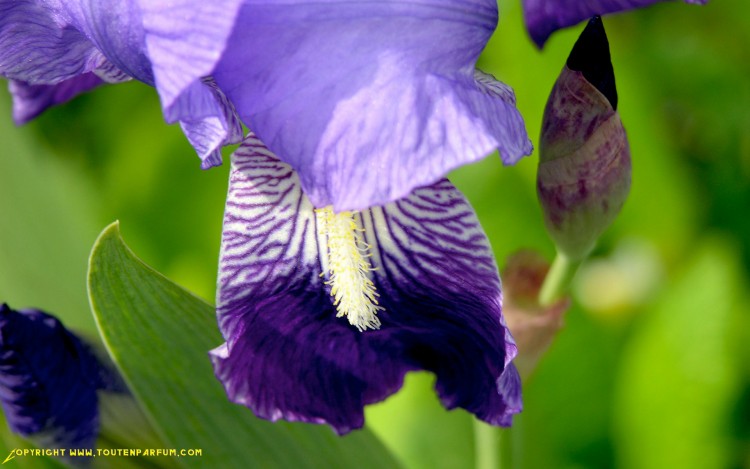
533,325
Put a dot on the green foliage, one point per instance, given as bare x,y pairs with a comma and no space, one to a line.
159,335
680,369
46,229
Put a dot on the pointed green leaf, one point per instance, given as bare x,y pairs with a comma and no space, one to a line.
159,335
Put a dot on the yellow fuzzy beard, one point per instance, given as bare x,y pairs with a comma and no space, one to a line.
354,294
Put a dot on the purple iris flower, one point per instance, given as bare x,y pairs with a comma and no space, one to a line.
365,100
324,312
543,17
49,380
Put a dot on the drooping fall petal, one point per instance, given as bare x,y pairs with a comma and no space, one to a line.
289,352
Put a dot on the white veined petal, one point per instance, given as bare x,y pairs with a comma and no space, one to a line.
435,233
269,226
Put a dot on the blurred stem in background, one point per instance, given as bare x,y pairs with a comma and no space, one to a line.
493,446
558,280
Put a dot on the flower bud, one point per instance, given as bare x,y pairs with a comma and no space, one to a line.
60,391
584,158
48,380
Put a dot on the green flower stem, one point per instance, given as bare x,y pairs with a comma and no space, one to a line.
486,446
492,446
558,279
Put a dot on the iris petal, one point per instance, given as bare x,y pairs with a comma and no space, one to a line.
39,45
115,29
170,45
543,17
31,100
208,120
367,100
434,264
185,40
346,91
288,356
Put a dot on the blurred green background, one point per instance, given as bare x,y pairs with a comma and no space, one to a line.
652,368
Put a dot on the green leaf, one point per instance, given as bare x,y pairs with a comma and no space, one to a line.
159,335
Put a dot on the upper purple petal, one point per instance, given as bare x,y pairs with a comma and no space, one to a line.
115,28
172,45
49,379
543,17
287,354
368,100
208,120
184,41
40,45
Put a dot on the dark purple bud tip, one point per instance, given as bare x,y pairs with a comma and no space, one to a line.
590,56
49,380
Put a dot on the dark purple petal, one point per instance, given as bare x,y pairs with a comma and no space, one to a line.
31,100
435,266
288,356
591,57
368,100
49,379
543,17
